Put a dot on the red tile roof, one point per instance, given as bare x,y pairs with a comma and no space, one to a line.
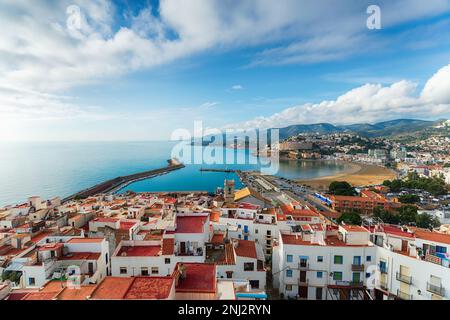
150,288
168,246
81,256
432,236
246,248
137,288
112,288
139,251
190,224
352,228
85,240
80,293
200,278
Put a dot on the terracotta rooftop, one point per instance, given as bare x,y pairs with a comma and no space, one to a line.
352,228
85,240
80,293
81,256
168,246
139,251
246,248
432,236
190,224
200,278
112,288
150,288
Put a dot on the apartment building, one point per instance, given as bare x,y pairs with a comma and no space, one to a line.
324,263
413,264
365,203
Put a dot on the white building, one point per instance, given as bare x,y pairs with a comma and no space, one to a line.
324,263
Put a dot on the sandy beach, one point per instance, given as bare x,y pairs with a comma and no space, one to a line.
358,174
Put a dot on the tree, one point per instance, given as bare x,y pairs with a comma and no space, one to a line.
350,217
427,221
341,188
396,185
407,214
385,216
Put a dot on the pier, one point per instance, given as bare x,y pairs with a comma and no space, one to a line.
118,183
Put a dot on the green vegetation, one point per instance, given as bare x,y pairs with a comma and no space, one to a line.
350,217
407,215
409,198
435,185
341,188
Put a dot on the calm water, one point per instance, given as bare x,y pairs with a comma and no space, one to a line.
62,168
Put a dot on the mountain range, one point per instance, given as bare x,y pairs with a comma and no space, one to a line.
379,129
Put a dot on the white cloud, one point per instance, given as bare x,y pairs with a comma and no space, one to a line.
237,87
39,53
368,103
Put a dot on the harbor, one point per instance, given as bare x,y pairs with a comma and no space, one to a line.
118,183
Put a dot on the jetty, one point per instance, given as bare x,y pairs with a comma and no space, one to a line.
114,185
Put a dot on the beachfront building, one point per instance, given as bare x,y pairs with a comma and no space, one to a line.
323,263
365,203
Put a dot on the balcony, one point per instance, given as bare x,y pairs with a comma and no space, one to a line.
268,236
383,270
303,283
358,267
402,278
303,266
404,295
439,290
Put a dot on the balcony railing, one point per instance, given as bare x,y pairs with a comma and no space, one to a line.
403,295
358,267
303,265
402,278
303,282
439,290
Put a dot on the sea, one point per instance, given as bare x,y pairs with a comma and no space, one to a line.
50,169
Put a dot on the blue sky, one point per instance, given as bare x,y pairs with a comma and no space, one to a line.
139,70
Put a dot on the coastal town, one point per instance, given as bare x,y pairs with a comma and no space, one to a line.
275,238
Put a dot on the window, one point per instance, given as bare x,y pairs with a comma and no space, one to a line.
318,293
356,278
254,284
144,271
289,287
31,281
269,242
337,275
289,258
167,260
269,232
239,226
106,258
319,274
249,266
357,260
368,274
289,273
338,259
319,258
369,258
123,270
239,236
229,274
155,270
256,231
